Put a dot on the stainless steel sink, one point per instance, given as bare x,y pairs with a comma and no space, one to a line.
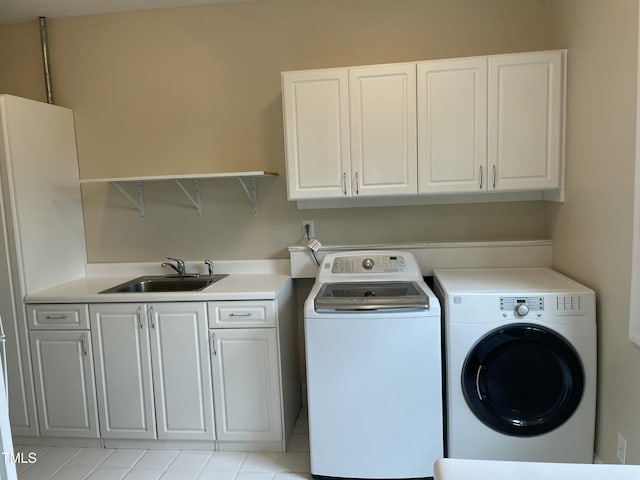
169,283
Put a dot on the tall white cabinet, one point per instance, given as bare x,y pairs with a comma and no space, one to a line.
42,225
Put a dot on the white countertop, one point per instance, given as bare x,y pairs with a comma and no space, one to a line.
233,287
456,469
263,283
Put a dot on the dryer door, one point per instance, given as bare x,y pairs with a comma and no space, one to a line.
523,380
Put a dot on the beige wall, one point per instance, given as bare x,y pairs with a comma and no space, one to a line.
592,231
21,72
198,90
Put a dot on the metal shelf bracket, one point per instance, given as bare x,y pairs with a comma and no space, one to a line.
251,192
195,199
139,204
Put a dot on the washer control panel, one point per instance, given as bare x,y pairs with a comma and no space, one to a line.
369,264
521,306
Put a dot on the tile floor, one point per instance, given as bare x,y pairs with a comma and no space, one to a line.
65,463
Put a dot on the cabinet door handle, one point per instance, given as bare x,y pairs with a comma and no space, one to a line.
357,184
139,315
213,343
247,314
344,183
494,176
84,347
480,177
55,317
151,323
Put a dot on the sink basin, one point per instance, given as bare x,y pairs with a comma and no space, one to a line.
170,283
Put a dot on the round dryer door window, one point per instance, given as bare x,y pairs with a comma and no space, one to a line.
523,380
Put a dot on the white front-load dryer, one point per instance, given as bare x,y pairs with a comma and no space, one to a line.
520,360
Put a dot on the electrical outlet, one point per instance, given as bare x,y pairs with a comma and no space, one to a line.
621,449
307,226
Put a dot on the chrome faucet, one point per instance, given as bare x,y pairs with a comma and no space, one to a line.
178,267
209,265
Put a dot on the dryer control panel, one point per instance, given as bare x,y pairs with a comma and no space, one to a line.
521,306
569,305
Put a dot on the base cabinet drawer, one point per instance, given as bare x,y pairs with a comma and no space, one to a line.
241,314
58,316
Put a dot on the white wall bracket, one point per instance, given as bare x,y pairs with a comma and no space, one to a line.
195,199
139,204
251,191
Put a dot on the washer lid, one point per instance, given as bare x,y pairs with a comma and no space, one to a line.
354,296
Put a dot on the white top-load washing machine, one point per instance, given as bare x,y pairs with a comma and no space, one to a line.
520,350
374,369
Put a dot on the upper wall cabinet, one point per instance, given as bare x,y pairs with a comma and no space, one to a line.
464,125
382,109
490,123
350,132
316,115
525,126
452,125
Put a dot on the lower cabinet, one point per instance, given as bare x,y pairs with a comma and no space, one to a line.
246,384
181,372
153,377
63,376
218,374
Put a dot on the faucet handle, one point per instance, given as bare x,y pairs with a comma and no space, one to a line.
209,265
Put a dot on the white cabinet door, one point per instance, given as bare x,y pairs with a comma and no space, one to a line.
452,125
316,125
123,370
525,120
181,371
383,130
64,383
246,384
